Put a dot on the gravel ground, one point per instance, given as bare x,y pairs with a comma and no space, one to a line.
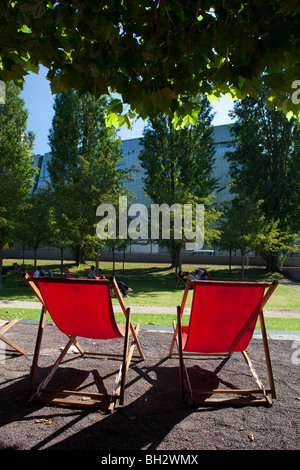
153,417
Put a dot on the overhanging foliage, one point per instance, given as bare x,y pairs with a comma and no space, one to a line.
156,54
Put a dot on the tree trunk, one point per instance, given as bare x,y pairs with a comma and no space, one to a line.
243,267
77,255
124,251
173,258
1,254
35,248
61,260
113,252
272,262
97,262
176,258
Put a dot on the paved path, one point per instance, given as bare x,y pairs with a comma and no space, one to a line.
147,309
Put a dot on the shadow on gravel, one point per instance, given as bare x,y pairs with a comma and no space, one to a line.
153,416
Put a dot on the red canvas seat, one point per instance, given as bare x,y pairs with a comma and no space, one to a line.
222,321
83,308
67,301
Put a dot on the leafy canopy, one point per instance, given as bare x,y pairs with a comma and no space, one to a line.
156,54
16,163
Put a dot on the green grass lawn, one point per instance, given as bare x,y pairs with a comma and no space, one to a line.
154,285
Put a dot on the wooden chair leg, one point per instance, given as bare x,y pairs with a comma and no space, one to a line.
53,369
37,350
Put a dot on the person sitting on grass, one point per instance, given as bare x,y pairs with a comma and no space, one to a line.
199,275
92,273
7,269
37,272
123,287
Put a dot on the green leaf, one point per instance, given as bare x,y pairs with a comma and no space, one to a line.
112,120
128,121
35,8
115,106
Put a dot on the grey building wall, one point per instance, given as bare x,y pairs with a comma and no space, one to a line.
222,139
131,149
42,177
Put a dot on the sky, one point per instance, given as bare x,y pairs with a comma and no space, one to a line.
39,102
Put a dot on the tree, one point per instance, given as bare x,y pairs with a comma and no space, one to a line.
16,164
83,168
178,166
273,243
239,226
36,226
156,54
265,171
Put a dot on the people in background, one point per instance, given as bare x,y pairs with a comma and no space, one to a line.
199,275
40,272
92,273
124,288
37,272
7,269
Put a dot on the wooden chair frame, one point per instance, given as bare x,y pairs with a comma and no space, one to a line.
180,281
106,401
202,397
4,327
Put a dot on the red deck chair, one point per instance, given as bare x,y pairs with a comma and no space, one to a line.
180,282
17,269
5,325
82,307
222,320
68,274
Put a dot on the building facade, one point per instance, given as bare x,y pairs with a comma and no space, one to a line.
222,139
131,149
